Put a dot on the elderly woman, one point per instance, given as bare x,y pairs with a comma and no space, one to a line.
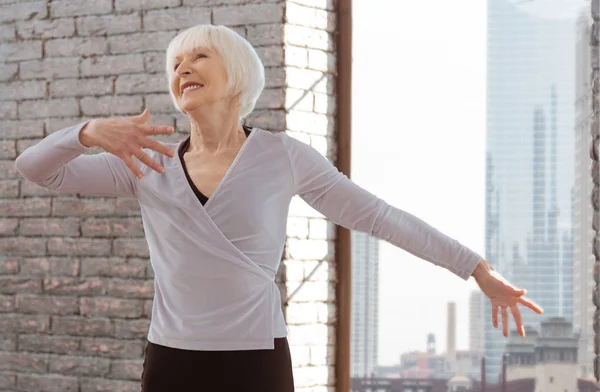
214,208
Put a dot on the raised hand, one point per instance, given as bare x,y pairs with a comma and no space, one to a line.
125,137
503,296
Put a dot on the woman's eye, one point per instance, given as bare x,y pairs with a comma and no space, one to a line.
200,55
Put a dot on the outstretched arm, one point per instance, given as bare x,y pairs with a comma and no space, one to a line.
330,192
57,162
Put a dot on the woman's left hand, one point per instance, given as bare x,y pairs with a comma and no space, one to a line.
502,295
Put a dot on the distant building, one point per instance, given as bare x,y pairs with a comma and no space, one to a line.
530,156
583,232
365,304
476,321
549,357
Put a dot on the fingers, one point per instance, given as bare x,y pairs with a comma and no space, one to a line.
516,313
157,146
494,316
141,118
504,322
145,159
156,129
132,166
526,302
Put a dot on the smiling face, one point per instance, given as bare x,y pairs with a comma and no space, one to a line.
199,78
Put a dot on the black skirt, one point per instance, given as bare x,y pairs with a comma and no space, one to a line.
169,369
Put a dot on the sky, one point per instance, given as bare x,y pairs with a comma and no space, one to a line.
419,83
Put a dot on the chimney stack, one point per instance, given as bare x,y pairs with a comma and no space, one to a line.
451,341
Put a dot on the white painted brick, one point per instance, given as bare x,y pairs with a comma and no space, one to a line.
294,270
308,37
109,24
300,355
321,4
106,65
22,129
18,90
310,292
155,62
18,51
8,33
140,42
296,56
271,55
72,8
297,227
301,313
325,103
136,5
73,47
159,103
300,15
318,229
81,87
62,107
142,83
302,136
265,34
301,100
304,79
308,122
307,249
23,11
248,14
50,68
310,376
320,60
92,106
46,28
8,110
298,207
56,124
176,18
325,273
271,98
275,77
307,335
8,71
328,314
326,85
320,143
319,355
271,120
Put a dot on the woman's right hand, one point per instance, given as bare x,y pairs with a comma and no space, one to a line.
125,137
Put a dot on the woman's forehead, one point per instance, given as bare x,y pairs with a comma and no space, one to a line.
185,51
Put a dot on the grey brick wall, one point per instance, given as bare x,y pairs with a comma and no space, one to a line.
75,281
595,171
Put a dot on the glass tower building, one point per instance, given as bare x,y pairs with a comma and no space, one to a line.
530,156
365,304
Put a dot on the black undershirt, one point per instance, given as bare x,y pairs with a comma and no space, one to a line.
184,146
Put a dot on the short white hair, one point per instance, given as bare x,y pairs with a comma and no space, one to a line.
245,70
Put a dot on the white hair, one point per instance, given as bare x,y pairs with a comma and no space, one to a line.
245,71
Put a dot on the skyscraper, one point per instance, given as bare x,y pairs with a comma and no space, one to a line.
529,157
365,303
476,317
583,308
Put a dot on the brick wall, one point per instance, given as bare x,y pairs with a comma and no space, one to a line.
75,281
595,171
310,64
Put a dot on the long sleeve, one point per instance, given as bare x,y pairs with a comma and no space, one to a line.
331,193
58,162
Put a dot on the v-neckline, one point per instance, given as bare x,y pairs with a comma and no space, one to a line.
190,182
